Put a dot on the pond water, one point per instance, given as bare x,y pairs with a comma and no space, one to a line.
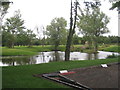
45,57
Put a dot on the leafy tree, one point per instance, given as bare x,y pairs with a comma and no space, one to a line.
104,40
113,39
4,5
93,24
76,39
37,42
21,38
26,38
12,27
30,37
108,39
115,4
56,31
41,32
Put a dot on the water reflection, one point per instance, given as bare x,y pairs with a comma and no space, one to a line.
92,56
45,57
83,56
21,60
57,56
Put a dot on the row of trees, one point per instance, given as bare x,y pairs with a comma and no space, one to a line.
101,40
15,33
92,23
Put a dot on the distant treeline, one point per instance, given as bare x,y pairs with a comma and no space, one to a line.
14,33
23,41
100,40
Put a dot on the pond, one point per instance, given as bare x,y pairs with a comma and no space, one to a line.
46,57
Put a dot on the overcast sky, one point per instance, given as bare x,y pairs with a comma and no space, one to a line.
41,12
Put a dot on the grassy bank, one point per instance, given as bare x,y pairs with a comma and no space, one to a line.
22,76
24,50
16,52
110,48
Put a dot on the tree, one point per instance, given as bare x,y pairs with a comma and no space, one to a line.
93,24
12,27
22,38
4,5
76,39
30,37
41,32
56,31
71,30
115,4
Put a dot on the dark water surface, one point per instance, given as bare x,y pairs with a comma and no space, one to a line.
46,57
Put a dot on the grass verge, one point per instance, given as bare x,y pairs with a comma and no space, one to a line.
16,52
24,50
111,48
21,76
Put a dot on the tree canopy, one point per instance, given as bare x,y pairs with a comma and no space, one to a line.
93,23
57,32
115,5
12,27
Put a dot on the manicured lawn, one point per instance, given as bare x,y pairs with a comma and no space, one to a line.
24,50
22,76
111,48
16,52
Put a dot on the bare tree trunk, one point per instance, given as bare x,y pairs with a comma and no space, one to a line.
69,38
67,51
95,45
71,32
56,47
12,45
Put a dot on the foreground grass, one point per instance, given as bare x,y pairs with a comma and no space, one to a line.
22,76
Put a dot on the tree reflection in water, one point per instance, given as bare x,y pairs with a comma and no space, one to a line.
56,56
45,57
23,60
91,56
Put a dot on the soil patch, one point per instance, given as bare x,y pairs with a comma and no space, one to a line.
92,77
97,76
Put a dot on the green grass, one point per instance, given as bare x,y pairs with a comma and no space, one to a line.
16,52
24,50
111,48
22,76
35,48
